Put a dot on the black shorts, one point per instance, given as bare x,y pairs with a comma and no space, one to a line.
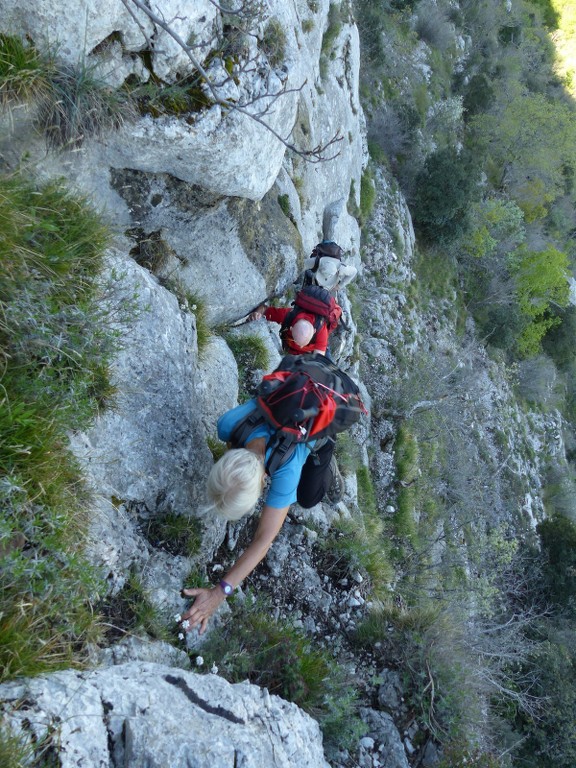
316,476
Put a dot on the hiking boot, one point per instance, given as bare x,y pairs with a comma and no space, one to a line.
336,487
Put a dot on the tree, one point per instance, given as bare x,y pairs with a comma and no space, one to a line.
444,190
541,279
533,140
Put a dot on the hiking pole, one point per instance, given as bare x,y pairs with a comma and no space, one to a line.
243,319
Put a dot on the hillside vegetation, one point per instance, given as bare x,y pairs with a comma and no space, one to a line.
470,110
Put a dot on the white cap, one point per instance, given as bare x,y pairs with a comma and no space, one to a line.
331,273
302,332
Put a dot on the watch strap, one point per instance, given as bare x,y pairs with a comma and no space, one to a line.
226,588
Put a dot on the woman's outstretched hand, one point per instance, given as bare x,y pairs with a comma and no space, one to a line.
206,601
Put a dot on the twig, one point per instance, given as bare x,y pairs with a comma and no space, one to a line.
315,155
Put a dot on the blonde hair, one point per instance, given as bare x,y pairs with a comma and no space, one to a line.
234,484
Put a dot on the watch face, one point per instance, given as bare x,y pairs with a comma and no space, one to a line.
226,588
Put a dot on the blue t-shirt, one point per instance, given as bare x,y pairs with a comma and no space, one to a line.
285,479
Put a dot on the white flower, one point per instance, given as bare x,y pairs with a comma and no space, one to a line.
180,636
185,624
177,617
214,669
199,661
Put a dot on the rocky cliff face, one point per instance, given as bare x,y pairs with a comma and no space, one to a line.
213,211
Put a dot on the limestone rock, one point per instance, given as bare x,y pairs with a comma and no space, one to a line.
142,713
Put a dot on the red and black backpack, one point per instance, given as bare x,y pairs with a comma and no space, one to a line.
307,397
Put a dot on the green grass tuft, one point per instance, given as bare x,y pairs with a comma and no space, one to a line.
57,339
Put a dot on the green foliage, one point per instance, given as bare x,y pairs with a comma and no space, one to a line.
18,751
537,381
541,281
531,156
462,755
558,541
276,656
177,534
56,341
367,196
274,42
72,102
479,95
362,540
495,227
549,11
131,610
559,341
549,741
78,104
217,447
445,188
251,354
197,305
284,203
157,99
24,73
406,455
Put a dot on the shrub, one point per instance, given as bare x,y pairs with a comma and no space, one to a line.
549,741
433,27
558,541
445,188
274,43
541,281
537,379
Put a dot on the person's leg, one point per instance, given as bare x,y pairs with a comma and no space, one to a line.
316,476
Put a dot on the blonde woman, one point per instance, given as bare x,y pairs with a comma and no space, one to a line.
236,483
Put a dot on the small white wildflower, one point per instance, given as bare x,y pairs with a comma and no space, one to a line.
194,307
185,624
177,617
180,636
214,669
199,661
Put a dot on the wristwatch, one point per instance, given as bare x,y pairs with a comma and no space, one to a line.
226,588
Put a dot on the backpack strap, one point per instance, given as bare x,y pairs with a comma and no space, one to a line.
245,427
326,248
281,450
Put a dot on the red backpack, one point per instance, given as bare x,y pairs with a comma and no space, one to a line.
307,397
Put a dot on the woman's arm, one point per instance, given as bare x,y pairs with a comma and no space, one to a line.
206,601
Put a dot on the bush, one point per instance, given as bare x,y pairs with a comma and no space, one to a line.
433,27
558,540
274,43
445,188
537,379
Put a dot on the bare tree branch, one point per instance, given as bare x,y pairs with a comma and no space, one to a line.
315,155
